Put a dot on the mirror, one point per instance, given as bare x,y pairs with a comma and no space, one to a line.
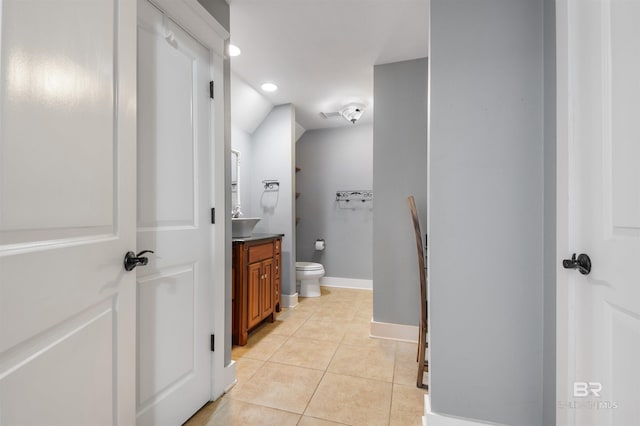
235,183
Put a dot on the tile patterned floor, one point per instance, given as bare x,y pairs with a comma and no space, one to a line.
316,365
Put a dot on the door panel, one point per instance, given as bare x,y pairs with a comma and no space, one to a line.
605,208
253,294
174,201
67,209
57,85
625,126
168,140
266,290
167,305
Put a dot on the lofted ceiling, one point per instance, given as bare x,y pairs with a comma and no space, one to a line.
321,53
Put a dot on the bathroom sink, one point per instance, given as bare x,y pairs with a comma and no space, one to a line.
243,226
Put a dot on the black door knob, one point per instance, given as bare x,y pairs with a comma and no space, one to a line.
582,263
131,260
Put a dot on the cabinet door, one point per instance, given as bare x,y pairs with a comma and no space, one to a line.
254,282
266,292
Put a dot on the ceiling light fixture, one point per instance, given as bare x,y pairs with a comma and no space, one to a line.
234,50
269,87
352,112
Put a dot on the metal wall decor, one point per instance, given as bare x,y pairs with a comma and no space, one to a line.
271,185
354,196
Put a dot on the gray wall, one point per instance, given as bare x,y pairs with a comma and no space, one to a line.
331,160
550,256
219,9
400,170
486,209
272,158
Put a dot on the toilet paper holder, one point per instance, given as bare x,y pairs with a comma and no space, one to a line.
320,244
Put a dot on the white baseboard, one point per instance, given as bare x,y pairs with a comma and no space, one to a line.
289,300
347,283
401,332
433,419
230,376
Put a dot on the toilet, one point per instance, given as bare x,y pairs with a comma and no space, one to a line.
308,274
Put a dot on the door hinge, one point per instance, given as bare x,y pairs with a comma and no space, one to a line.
211,89
213,343
213,215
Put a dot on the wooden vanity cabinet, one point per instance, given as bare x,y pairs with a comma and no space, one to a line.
256,284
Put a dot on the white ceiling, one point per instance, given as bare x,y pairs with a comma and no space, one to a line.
321,53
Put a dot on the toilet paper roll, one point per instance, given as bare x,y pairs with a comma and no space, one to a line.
320,245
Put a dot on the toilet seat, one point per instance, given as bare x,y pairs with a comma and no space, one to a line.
308,266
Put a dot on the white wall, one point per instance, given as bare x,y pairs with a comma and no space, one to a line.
486,210
248,106
273,154
332,160
399,170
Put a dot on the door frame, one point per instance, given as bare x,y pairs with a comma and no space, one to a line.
565,235
198,22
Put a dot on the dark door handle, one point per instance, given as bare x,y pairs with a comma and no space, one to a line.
582,263
131,260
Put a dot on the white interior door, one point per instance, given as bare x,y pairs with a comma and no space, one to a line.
603,128
174,202
67,212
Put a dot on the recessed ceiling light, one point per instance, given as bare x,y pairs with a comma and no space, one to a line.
234,50
269,87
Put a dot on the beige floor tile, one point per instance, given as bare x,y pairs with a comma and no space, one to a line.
406,348
356,338
305,303
330,331
363,329
303,352
285,326
351,400
406,367
403,418
408,398
364,315
239,413
246,367
337,314
312,421
286,388
368,362
203,416
259,347
405,373
358,334
300,312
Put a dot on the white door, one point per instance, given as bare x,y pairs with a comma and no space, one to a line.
600,51
67,212
174,220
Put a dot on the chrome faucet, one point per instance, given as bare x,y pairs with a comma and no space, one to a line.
235,213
